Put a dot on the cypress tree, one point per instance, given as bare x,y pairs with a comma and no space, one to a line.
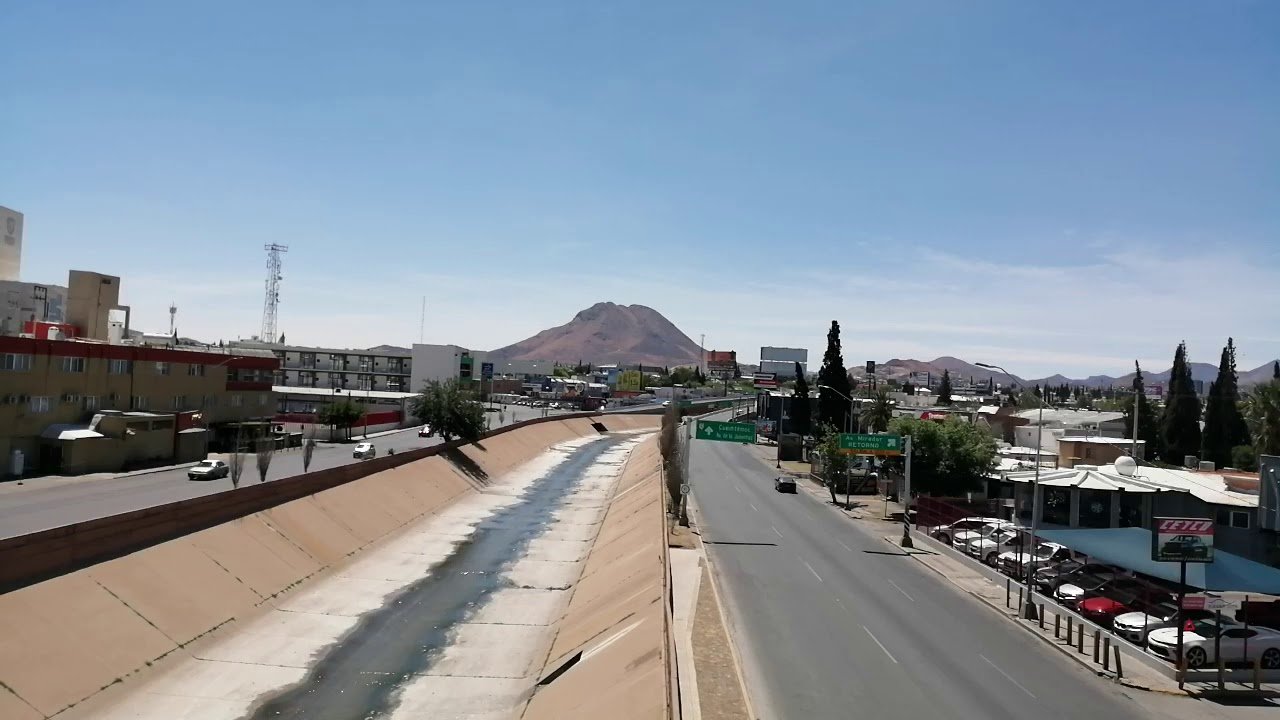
1275,370
1180,422
800,414
832,408
944,390
1224,426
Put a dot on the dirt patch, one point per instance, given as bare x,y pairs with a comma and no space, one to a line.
719,689
680,537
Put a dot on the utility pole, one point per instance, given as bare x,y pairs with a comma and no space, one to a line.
1136,405
906,494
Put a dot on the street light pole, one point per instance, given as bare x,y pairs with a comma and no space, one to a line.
1029,607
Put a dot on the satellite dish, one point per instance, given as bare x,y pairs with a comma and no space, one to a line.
1126,465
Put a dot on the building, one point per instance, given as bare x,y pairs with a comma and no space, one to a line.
453,362
10,244
80,405
722,364
384,369
782,361
1095,450
298,408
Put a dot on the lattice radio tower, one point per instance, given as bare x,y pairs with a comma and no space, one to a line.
272,301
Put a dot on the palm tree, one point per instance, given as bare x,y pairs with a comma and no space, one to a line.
1262,412
875,416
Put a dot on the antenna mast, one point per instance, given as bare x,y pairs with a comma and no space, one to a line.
272,301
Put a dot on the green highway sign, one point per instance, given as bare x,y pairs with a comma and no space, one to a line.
726,431
864,444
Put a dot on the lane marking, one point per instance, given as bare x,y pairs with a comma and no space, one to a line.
776,531
815,572
735,487
904,592
753,506
882,647
1007,676
846,547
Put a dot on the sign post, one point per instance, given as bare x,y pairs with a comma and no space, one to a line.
726,431
868,444
1182,540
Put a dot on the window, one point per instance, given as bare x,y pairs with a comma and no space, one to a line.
71,399
138,402
179,402
73,364
15,362
90,402
162,368
119,367
39,404
195,370
237,401
263,399
1240,519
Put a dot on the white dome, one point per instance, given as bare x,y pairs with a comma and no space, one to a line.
1126,465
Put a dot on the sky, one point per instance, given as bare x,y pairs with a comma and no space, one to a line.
1050,187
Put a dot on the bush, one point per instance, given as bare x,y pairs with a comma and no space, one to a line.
1244,457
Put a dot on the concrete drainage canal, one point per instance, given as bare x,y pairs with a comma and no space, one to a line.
465,640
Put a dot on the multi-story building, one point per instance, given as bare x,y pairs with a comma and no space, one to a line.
453,362
384,369
59,400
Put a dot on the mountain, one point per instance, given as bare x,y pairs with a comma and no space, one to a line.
389,350
902,369
609,333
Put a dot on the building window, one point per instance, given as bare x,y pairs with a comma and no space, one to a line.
237,401
262,399
71,399
15,362
138,402
73,364
39,404
195,370
119,367
179,402
162,368
90,402
1234,518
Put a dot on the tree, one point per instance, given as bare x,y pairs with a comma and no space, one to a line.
308,449
877,414
561,371
801,420
737,371
948,458
265,451
340,415
1180,422
835,462
833,382
449,411
944,389
1275,370
1224,425
991,385
235,459
1262,412
669,448
1148,422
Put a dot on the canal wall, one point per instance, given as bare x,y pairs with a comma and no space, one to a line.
71,636
613,652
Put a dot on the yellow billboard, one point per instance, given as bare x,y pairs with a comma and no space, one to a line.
630,381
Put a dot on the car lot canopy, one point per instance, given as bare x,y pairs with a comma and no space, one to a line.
1131,548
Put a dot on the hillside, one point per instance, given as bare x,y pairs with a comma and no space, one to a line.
901,369
608,333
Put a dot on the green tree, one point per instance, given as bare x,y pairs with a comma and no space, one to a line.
737,371
1180,422
835,462
1262,412
1224,425
948,458
561,371
1275,370
944,389
340,415
684,376
833,407
801,420
449,411
1148,421
877,414
669,448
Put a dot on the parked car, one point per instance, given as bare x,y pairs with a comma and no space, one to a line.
1119,596
1073,590
1049,577
783,483
1190,546
964,537
425,431
987,549
1017,562
1134,626
945,533
208,470
1238,643
364,451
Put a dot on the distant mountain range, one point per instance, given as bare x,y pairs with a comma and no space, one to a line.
608,333
902,369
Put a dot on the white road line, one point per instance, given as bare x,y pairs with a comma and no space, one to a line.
815,572
846,547
904,592
753,506
885,649
1006,675
776,531
735,487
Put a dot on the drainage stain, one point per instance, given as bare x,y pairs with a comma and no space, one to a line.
357,677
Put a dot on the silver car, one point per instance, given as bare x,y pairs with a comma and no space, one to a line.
208,470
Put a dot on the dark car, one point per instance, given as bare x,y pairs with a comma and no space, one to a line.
1186,546
1049,578
784,484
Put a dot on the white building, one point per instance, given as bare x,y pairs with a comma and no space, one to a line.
453,362
337,368
10,244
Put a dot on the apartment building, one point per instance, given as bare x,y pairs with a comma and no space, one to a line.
56,394
381,369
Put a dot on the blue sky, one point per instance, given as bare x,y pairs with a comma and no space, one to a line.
1053,187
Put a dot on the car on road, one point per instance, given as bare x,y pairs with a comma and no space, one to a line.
945,533
426,431
988,548
1120,596
1018,562
783,483
1190,546
1134,626
1238,643
208,470
666,403
364,451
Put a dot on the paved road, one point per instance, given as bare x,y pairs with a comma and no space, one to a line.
50,502
835,623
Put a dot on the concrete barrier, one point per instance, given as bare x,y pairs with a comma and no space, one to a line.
71,636
612,648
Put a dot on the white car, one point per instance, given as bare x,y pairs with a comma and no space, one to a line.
1135,626
988,548
1239,644
426,431
945,533
666,403
963,538
1018,562
364,451
208,470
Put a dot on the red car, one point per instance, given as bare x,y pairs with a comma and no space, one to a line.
1119,596
1102,610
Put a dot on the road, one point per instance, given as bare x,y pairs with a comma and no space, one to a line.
49,502
834,622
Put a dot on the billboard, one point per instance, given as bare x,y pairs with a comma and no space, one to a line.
765,381
786,355
10,243
721,363
1182,540
630,381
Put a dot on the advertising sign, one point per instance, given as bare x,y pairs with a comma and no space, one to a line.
721,363
1182,540
766,381
630,381
486,371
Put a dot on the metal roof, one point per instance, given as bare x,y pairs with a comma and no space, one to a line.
1068,417
1208,487
347,393
67,431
